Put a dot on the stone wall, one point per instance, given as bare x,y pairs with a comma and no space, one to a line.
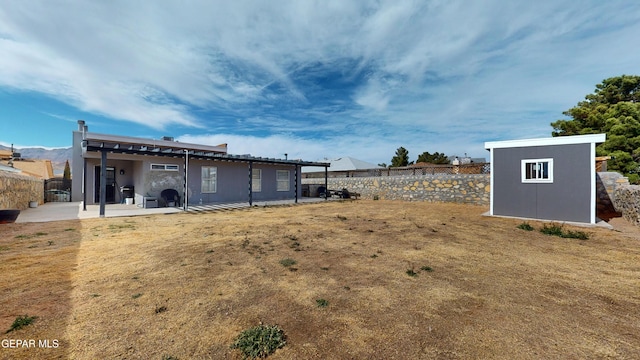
617,198
627,202
459,188
16,191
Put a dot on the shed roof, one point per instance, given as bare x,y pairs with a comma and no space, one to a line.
559,140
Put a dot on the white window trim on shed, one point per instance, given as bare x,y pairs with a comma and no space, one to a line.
538,174
591,139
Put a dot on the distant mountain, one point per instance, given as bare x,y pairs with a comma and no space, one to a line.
58,157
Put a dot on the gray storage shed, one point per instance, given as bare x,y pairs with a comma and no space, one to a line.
548,179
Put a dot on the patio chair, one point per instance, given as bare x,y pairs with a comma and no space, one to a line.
170,196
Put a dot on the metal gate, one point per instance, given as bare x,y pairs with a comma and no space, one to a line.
57,190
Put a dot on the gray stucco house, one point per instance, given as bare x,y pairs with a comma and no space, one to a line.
110,168
547,179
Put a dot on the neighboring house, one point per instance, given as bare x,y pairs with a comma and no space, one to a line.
342,165
110,168
42,169
548,179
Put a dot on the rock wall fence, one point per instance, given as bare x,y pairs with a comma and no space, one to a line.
458,188
17,191
614,191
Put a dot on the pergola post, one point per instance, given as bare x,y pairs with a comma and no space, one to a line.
103,181
185,192
250,183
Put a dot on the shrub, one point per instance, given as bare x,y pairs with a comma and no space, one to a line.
412,273
553,229
260,341
426,268
557,230
580,235
287,262
20,322
322,303
525,226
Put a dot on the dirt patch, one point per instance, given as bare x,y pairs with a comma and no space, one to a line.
402,281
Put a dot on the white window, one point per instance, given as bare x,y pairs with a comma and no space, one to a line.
256,180
165,167
282,178
537,170
209,179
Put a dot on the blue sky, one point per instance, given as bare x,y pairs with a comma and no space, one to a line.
313,79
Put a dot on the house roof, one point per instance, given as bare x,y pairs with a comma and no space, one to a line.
4,167
38,168
559,140
5,154
345,163
138,146
142,143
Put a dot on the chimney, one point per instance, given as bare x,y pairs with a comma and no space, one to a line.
81,125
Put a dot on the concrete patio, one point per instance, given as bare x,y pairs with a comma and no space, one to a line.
57,211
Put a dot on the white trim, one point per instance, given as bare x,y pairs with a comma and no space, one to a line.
593,183
491,186
523,171
560,140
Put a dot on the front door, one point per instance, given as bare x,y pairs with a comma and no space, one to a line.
111,185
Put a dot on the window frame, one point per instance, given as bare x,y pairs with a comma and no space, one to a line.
280,182
210,180
524,165
164,167
256,182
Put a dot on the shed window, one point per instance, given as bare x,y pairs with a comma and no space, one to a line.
209,179
537,170
256,180
282,177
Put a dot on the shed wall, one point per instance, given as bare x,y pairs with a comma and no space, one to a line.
568,198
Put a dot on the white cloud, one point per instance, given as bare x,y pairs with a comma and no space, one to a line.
424,73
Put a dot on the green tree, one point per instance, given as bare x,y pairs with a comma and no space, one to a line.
614,109
67,171
401,158
435,158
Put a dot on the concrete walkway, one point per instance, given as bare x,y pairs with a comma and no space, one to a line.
57,211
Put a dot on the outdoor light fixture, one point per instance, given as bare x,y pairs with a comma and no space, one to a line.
121,171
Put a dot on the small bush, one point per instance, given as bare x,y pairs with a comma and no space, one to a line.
376,197
322,303
288,262
426,268
580,235
525,226
260,341
412,273
20,322
553,229
557,230
343,218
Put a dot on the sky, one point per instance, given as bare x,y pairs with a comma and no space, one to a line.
312,79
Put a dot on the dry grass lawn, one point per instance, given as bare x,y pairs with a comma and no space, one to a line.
185,285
